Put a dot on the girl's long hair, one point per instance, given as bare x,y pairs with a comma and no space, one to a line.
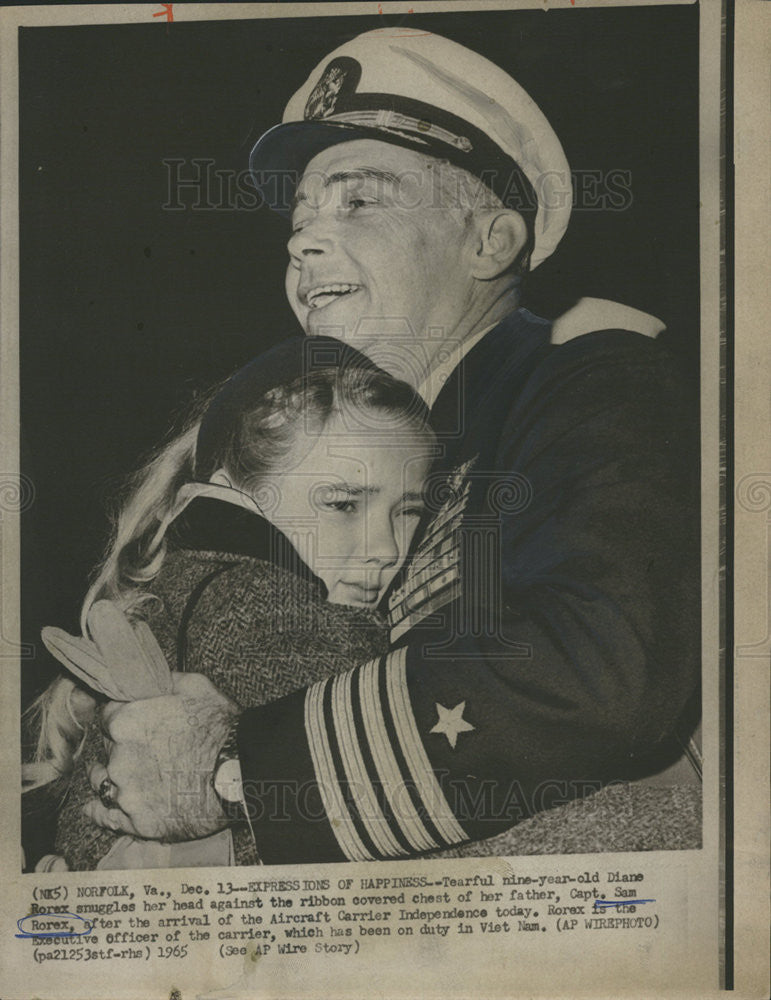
130,560
136,550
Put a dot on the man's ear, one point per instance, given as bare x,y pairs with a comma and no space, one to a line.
220,478
500,237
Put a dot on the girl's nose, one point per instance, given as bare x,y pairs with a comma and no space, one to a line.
379,542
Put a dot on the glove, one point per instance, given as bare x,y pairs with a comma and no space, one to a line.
122,660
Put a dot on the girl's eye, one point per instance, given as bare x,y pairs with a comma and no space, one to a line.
336,498
411,512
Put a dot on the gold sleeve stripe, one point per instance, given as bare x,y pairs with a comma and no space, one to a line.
359,782
337,812
414,751
386,764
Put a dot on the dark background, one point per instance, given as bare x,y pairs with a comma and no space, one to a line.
127,309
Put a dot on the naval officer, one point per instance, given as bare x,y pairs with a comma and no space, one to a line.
544,638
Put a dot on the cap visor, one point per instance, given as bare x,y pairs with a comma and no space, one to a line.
280,156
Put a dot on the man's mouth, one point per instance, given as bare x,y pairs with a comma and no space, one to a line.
321,295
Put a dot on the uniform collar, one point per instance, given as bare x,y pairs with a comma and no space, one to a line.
588,315
435,380
495,352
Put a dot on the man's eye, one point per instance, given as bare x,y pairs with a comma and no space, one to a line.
345,506
354,202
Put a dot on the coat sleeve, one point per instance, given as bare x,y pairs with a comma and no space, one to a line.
563,672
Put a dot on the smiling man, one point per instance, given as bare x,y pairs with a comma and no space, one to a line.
545,632
368,242
377,231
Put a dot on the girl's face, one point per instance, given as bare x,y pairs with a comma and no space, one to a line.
349,501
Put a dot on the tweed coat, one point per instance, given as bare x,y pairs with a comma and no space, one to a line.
233,602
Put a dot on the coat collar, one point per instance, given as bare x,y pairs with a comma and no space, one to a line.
209,524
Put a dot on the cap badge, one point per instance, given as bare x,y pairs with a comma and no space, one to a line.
340,76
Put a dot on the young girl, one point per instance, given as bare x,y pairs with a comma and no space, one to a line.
257,545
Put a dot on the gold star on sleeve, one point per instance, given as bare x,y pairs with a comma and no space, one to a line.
451,722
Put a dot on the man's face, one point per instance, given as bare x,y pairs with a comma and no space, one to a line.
373,253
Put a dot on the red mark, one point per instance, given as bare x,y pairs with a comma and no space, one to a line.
410,11
410,33
167,12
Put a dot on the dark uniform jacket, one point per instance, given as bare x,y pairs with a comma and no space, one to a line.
545,636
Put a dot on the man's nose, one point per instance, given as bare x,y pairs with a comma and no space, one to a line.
314,237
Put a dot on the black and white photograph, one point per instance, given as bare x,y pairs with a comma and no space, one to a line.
433,571
370,413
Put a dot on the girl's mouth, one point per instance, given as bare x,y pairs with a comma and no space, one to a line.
362,595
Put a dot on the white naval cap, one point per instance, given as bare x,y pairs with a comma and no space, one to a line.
415,89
